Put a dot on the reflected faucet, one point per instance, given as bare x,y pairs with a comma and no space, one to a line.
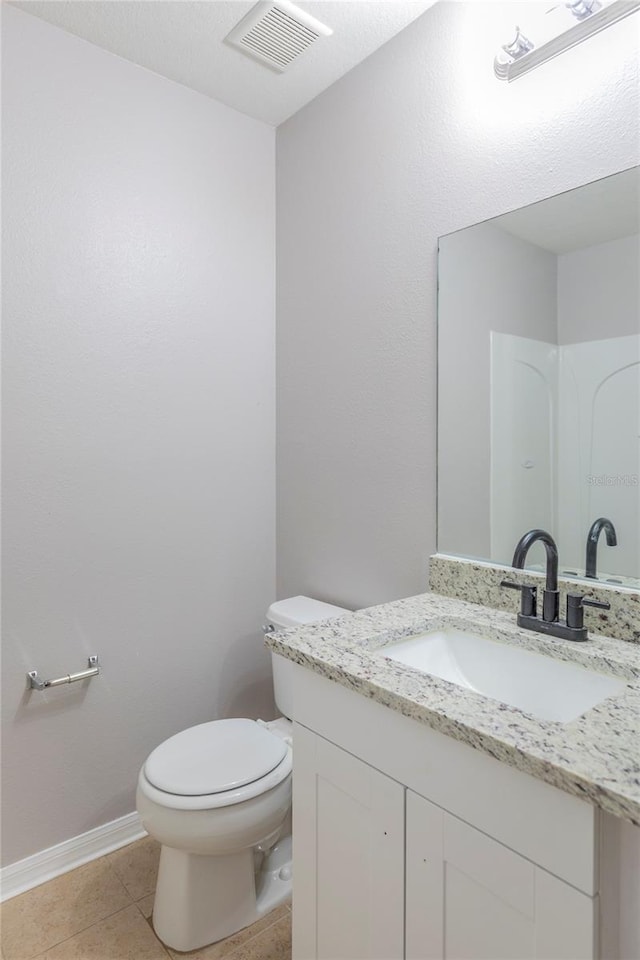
592,543
550,598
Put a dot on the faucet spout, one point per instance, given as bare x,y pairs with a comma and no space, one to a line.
602,523
551,603
523,546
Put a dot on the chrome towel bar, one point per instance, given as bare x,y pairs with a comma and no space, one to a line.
35,682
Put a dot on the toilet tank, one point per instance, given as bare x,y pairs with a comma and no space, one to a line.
294,612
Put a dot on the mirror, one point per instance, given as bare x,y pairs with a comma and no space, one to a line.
539,382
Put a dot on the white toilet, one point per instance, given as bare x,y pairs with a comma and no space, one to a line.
218,798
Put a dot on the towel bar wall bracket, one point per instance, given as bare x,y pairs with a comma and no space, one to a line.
35,681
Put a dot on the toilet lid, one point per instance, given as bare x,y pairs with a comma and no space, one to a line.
214,757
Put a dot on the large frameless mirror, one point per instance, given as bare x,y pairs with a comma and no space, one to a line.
539,382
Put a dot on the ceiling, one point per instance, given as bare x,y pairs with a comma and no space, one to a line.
596,213
182,40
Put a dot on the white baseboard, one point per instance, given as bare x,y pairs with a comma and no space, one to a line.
50,863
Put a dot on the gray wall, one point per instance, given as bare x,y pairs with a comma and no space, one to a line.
598,291
416,142
487,280
138,422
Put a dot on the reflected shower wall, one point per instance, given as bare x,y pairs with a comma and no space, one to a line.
565,429
599,449
524,413
539,380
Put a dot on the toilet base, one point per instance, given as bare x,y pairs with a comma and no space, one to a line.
201,899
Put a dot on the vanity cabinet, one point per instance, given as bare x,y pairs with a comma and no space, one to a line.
468,896
381,873
409,845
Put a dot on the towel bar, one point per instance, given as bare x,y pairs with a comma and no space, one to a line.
35,682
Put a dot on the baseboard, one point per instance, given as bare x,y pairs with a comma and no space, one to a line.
50,863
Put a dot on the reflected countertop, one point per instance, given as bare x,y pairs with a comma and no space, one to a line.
595,757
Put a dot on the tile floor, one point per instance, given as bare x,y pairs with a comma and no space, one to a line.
102,911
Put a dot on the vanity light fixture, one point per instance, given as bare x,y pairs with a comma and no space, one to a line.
562,26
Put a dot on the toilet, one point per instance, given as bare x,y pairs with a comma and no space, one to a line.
217,797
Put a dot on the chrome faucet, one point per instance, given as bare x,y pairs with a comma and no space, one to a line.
592,543
570,629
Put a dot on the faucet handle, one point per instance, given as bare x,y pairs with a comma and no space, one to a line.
529,596
576,603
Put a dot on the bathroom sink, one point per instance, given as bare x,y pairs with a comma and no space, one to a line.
547,688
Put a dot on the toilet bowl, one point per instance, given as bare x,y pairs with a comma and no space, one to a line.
217,797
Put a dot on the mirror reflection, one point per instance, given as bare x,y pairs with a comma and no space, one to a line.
539,382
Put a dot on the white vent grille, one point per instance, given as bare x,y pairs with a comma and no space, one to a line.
276,34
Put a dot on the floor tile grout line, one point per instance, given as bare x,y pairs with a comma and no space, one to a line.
106,859
167,954
256,937
95,923
144,897
138,902
43,953
39,886
260,932
149,921
115,873
228,956
164,949
279,913
236,951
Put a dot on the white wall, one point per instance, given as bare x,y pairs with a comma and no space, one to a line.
139,462
416,142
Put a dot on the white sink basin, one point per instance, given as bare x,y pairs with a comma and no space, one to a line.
547,688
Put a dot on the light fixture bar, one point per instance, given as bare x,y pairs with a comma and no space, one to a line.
509,67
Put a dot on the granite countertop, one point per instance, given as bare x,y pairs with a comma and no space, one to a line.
595,757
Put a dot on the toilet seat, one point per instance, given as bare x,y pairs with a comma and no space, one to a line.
233,760
214,757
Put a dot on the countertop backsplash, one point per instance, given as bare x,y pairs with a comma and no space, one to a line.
479,582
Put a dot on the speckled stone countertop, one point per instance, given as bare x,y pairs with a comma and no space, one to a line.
479,582
595,757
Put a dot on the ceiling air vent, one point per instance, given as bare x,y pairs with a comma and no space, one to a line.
276,34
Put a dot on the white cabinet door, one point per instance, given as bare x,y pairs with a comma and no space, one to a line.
348,856
471,898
